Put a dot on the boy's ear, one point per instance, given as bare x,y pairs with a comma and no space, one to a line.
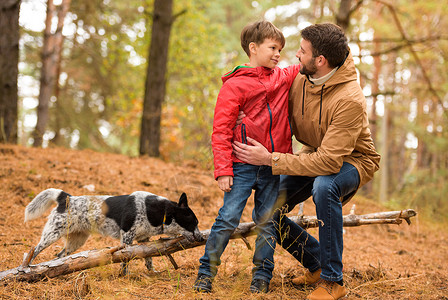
252,48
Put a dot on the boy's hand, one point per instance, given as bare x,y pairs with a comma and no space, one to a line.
225,183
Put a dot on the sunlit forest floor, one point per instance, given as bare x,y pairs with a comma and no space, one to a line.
380,261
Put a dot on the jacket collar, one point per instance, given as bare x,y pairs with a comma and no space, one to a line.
323,79
244,70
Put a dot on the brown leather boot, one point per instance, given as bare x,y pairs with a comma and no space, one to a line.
328,290
307,279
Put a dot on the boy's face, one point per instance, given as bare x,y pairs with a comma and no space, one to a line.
266,54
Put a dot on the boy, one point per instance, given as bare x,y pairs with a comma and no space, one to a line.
260,89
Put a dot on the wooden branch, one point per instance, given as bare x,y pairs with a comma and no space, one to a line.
355,8
422,40
166,246
386,51
184,11
402,44
173,262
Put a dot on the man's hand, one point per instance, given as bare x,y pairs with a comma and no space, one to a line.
225,183
241,116
255,155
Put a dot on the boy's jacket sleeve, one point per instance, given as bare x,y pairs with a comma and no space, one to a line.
226,112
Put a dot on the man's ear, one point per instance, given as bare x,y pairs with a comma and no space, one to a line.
321,61
252,48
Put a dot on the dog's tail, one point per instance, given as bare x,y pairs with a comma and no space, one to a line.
42,202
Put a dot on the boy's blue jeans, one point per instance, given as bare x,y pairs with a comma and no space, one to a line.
326,191
246,178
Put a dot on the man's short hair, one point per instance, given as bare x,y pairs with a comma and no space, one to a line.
328,40
259,31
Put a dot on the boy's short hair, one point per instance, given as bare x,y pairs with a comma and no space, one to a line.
259,31
328,40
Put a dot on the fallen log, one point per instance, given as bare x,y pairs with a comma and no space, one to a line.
166,246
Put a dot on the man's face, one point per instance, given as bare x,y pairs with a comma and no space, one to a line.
307,61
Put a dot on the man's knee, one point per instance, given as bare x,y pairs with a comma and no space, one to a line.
325,187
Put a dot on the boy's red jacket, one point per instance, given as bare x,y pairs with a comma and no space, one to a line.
262,94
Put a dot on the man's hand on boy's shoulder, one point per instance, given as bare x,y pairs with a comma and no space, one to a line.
225,183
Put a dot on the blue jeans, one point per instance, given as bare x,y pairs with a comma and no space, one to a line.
325,254
246,178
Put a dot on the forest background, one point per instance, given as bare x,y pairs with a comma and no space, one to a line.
99,78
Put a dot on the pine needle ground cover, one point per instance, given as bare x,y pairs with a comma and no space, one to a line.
380,261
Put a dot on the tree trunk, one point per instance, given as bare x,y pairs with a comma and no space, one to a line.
46,78
155,78
376,77
59,40
343,16
9,61
51,53
94,258
422,123
373,117
384,179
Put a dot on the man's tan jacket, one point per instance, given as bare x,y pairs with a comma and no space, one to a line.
330,120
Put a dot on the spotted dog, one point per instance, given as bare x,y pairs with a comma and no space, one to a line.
137,216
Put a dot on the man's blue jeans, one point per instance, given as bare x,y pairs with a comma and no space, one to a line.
326,191
246,178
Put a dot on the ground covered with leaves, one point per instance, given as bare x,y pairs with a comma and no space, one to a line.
380,261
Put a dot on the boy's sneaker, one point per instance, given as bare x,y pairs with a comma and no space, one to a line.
259,286
328,290
203,284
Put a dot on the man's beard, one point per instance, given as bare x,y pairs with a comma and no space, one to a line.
310,69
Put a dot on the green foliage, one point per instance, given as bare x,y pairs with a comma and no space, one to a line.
425,192
193,83
425,188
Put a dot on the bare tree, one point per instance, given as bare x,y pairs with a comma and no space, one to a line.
9,59
155,78
51,53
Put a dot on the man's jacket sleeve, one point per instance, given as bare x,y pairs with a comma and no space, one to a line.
306,149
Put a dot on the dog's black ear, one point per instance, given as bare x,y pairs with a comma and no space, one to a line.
183,202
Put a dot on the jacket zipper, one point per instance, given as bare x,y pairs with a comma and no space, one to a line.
243,133
270,127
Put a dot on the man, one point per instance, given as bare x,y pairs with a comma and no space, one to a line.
328,116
